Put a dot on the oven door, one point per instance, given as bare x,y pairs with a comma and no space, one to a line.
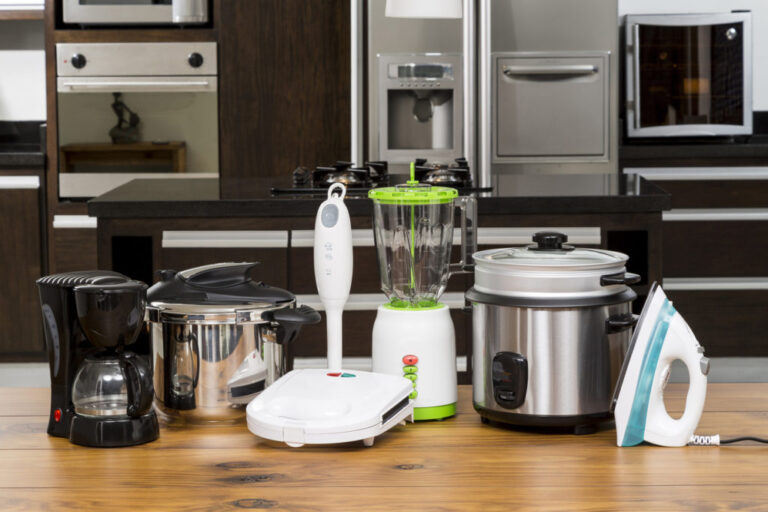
126,12
689,75
174,133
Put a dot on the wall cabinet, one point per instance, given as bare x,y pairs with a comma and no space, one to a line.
21,335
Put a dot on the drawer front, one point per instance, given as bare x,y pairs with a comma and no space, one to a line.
710,187
74,244
715,249
562,96
728,323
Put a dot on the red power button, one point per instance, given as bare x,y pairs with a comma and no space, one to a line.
410,359
57,415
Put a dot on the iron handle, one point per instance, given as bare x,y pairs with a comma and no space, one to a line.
619,323
619,278
562,69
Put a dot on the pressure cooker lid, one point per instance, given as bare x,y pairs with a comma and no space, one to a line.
551,252
218,287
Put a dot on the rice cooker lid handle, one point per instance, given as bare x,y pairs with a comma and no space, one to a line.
550,241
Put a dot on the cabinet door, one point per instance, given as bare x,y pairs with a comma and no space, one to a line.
74,241
21,337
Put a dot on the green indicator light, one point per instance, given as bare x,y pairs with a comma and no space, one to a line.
411,376
413,395
409,369
347,375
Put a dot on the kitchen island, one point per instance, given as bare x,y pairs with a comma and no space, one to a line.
456,464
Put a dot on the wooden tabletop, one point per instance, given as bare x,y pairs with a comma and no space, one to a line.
456,464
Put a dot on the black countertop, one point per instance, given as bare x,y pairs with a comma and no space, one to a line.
199,197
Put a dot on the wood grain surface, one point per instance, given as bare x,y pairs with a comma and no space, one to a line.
456,464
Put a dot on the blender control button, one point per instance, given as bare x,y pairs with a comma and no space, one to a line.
410,376
57,415
414,384
410,359
329,215
409,369
413,394
333,374
347,375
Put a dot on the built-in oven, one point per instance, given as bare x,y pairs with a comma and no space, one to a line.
689,75
135,110
420,102
135,12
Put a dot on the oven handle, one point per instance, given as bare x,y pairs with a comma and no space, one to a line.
135,85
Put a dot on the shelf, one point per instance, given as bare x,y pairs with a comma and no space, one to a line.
134,35
26,14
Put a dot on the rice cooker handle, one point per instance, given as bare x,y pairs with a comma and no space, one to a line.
619,323
619,278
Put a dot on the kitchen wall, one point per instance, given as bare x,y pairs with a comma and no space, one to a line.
759,10
22,79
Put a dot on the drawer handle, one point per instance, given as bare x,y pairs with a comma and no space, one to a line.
564,70
19,182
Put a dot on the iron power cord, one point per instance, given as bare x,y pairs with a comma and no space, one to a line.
716,441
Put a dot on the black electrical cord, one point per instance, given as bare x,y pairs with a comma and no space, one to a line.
745,438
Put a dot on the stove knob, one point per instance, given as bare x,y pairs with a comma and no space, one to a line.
78,61
195,60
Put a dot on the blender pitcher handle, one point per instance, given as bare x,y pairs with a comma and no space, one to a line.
468,207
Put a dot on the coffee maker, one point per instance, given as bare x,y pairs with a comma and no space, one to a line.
101,394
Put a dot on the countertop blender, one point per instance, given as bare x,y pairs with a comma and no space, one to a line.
413,334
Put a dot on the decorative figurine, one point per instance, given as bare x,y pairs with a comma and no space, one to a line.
125,131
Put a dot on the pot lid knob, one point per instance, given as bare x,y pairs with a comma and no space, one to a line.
550,241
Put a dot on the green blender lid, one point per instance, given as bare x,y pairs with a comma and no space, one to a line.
413,193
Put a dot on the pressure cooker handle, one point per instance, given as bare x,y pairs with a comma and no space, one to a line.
218,275
619,278
618,323
138,384
303,315
468,207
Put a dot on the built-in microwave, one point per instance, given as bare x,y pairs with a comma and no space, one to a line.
689,75
135,12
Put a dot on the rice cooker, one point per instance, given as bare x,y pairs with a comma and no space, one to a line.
551,324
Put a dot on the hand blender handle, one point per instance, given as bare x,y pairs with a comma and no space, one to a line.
333,266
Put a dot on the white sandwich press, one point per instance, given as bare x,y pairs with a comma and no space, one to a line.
333,405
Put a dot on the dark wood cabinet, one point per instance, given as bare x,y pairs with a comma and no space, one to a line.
283,88
21,335
73,249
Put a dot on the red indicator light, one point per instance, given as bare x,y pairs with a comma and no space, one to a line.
57,415
410,359
333,374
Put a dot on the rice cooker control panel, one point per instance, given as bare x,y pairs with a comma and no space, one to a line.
510,379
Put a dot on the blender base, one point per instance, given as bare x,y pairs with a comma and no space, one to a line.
420,345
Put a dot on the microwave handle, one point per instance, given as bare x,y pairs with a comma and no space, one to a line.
636,71
133,85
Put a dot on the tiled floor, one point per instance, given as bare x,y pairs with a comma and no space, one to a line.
723,369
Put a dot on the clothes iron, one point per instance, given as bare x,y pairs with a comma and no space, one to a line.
661,337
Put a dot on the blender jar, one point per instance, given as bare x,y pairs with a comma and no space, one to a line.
413,230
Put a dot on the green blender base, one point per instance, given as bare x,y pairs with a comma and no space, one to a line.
437,412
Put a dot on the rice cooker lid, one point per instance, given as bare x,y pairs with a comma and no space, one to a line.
551,252
218,290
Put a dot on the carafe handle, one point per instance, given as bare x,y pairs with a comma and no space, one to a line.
468,207
138,383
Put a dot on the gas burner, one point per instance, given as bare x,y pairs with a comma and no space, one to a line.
371,175
437,173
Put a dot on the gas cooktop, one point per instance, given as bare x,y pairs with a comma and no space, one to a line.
359,180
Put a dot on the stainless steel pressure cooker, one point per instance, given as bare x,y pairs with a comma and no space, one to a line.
550,326
218,339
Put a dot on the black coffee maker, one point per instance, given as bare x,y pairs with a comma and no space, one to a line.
101,394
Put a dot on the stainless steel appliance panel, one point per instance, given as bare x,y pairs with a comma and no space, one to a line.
572,363
136,59
551,105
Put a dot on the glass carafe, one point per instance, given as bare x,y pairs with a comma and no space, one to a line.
413,230
112,385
